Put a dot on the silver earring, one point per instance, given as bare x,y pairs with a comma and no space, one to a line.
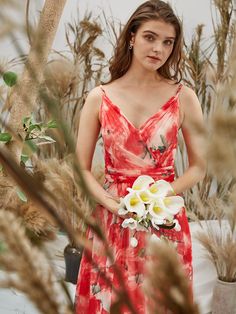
130,46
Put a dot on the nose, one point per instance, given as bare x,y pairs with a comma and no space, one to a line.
157,47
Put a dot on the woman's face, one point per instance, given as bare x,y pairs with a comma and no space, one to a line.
152,44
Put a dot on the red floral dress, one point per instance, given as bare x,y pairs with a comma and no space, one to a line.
130,152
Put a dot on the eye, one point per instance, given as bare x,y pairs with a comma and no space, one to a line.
149,37
169,42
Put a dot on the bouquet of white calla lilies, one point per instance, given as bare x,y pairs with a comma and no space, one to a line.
147,200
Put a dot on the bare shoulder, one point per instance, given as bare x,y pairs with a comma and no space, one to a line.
189,100
95,95
190,105
93,100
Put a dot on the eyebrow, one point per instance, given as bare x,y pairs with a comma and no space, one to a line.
153,33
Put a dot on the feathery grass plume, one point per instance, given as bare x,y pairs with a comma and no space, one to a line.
166,285
206,72
64,84
222,33
221,147
39,194
58,177
89,62
111,28
81,67
7,17
27,269
219,240
38,224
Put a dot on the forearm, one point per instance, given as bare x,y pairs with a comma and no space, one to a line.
98,193
190,177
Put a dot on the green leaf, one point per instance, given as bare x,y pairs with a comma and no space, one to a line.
34,126
5,137
24,158
29,148
30,144
47,138
2,247
1,168
10,78
52,124
21,195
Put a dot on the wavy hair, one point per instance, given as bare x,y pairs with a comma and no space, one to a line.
149,10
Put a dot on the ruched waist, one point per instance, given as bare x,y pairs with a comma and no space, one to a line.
126,176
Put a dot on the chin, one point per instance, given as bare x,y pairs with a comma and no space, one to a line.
151,68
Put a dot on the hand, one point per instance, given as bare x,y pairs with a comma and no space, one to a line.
112,204
171,192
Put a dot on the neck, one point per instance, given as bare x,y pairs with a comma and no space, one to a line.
141,77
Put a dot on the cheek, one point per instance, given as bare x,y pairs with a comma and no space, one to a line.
169,51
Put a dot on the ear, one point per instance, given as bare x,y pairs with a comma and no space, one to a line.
132,37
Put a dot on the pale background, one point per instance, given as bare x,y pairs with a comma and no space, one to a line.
190,11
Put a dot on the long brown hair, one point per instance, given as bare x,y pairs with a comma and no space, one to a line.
149,10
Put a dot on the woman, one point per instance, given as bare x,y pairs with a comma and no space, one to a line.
139,112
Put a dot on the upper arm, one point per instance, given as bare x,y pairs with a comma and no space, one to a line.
89,127
191,125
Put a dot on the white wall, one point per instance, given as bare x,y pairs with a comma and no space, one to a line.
191,11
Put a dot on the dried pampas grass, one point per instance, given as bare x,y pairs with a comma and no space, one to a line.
39,225
27,269
218,237
166,284
58,178
66,82
221,148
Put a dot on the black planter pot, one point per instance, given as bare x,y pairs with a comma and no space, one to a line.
72,258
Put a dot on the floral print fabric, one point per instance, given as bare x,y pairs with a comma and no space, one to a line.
130,152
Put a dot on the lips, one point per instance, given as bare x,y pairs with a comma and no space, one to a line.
154,58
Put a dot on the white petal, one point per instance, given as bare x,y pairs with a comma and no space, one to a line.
122,211
134,204
129,223
145,197
157,222
173,204
177,225
160,188
133,242
160,213
142,182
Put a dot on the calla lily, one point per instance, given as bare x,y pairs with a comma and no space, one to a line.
134,204
156,223
122,209
173,204
129,223
160,188
142,183
145,197
158,210
166,207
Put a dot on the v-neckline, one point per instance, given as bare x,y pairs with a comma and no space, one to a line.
142,126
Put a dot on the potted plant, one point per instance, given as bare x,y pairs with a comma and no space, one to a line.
59,180
219,240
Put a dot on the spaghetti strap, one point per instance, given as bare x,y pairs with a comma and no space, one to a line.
179,89
103,90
